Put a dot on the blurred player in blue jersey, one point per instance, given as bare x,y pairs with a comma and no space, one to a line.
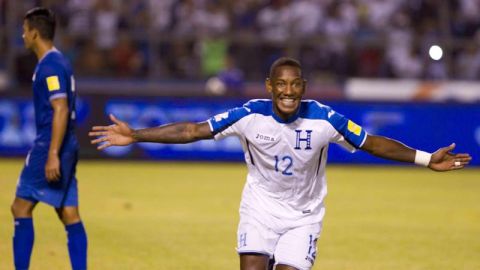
285,141
49,172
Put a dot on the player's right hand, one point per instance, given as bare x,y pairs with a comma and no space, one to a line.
118,134
52,167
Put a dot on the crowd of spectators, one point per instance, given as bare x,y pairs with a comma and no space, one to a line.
3,37
334,39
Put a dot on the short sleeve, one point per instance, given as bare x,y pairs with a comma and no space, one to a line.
54,80
227,123
348,133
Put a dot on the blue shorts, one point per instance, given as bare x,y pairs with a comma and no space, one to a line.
34,187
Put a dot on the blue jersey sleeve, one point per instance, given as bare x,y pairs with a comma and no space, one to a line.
54,79
222,121
354,134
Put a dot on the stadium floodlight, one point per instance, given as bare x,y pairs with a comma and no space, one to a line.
435,52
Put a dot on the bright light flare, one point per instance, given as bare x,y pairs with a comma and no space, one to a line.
435,52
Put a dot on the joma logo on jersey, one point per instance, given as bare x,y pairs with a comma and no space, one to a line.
303,138
264,137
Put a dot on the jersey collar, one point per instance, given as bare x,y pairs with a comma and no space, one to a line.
290,119
53,49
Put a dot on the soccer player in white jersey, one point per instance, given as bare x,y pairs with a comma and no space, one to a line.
285,141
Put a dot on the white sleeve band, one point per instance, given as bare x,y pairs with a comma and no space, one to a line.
422,158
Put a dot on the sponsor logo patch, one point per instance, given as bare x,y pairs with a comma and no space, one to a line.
53,83
354,128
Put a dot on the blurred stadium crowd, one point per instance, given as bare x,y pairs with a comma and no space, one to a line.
195,39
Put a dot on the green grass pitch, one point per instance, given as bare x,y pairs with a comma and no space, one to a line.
165,215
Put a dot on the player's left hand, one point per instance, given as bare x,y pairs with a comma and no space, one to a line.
52,168
445,160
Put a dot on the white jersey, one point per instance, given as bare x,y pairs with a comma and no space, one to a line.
286,159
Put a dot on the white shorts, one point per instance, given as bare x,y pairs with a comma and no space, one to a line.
296,247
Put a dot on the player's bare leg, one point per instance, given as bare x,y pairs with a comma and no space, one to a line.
253,262
68,214
22,208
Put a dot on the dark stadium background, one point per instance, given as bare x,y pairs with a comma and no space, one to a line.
152,62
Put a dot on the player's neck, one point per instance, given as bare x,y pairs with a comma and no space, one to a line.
42,48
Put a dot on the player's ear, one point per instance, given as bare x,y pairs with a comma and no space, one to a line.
304,85
268,85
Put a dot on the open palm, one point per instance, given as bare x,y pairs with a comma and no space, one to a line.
118,134
444,160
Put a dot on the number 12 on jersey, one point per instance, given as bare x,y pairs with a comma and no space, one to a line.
285,163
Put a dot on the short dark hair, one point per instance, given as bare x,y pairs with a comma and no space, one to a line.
284,61
43,20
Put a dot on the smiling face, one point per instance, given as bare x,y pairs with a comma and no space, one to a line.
287,88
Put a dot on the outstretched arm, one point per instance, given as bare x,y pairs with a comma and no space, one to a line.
442,160
120,134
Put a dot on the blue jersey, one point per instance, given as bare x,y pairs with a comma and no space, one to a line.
286,158
53,78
